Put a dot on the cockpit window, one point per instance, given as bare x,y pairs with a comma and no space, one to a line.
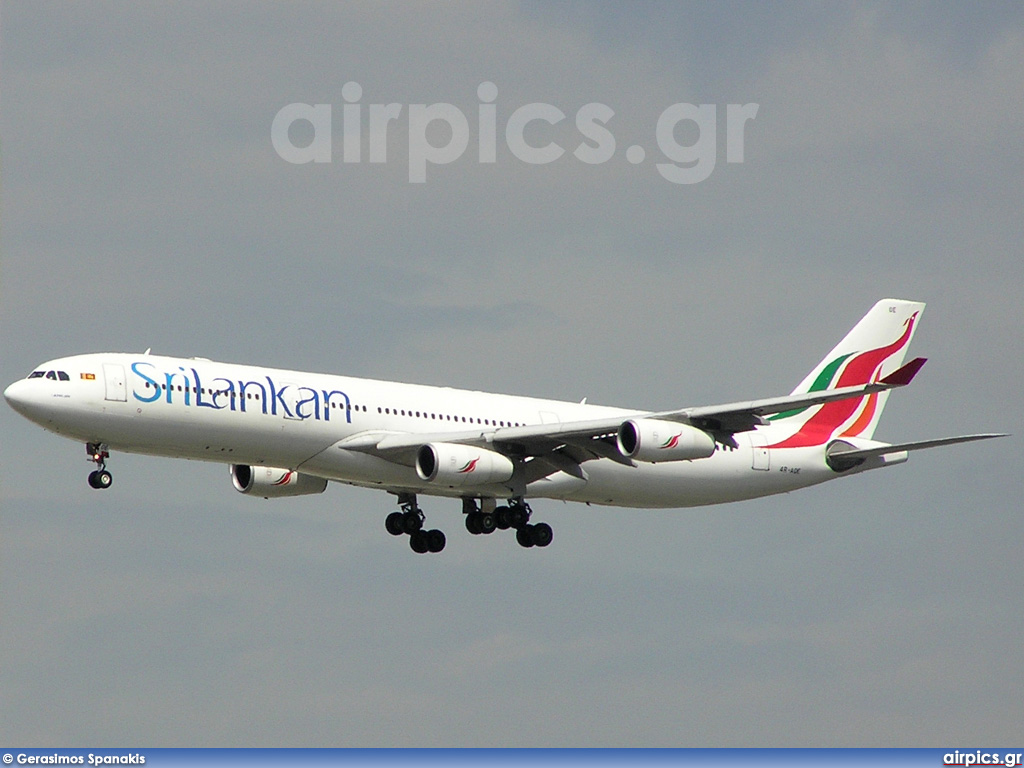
51,375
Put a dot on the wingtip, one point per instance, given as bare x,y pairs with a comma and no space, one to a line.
904,375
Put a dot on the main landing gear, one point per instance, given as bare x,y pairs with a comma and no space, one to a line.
98,454
409,520
515,515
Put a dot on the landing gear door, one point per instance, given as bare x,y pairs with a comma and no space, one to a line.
759,448
113,377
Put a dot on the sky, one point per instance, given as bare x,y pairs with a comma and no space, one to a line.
144,205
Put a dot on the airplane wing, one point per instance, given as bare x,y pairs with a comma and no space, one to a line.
566,445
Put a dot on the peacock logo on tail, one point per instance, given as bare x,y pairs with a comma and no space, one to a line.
850,370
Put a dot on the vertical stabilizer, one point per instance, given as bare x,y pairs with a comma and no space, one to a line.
875,347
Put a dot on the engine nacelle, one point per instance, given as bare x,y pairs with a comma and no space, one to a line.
652,441
460,465
273,482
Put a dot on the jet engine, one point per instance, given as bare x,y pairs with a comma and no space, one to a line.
273,482
460,465
652,440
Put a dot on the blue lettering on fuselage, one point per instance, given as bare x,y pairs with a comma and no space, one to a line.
262,396
224,393
170,377
151,382
227,391
345,404
277,396
199,392
312,398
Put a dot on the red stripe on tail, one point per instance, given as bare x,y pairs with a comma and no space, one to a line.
818,429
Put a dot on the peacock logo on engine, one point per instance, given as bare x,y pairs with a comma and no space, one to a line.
671,443
468,467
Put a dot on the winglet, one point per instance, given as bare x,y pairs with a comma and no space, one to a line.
904,375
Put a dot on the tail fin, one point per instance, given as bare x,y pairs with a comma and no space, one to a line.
871,351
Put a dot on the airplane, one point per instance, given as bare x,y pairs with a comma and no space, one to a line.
288,433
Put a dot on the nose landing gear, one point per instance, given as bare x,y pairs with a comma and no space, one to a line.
98,454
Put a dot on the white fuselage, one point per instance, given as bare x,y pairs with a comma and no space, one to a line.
239,414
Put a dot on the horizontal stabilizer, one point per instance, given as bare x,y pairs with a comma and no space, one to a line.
840,455
906,374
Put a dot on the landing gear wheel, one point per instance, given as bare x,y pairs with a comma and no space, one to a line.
411,522
519,514
418,542
525,536
503,518
541,535
393,523
473,523
435,540
100,479
487,522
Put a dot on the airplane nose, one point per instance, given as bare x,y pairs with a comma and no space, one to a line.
17,396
